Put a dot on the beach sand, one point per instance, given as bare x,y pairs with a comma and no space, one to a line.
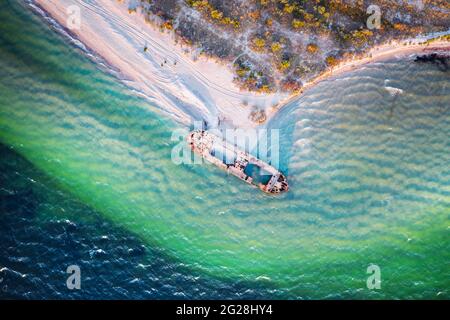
186,87
166,73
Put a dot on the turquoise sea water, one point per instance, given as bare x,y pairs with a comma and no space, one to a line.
87,179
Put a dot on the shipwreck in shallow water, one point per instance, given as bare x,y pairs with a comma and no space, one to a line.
237,162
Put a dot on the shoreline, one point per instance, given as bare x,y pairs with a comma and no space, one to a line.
376,54
186,88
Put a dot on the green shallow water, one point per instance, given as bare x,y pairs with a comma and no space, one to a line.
369,172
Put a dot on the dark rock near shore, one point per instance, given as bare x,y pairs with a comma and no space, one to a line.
441,60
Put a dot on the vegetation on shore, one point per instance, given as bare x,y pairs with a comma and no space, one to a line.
281,44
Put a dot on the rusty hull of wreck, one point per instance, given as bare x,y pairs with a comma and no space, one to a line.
206,144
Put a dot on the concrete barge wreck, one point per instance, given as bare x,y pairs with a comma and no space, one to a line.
237,162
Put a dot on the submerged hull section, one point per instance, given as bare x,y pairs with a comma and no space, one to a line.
237,162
